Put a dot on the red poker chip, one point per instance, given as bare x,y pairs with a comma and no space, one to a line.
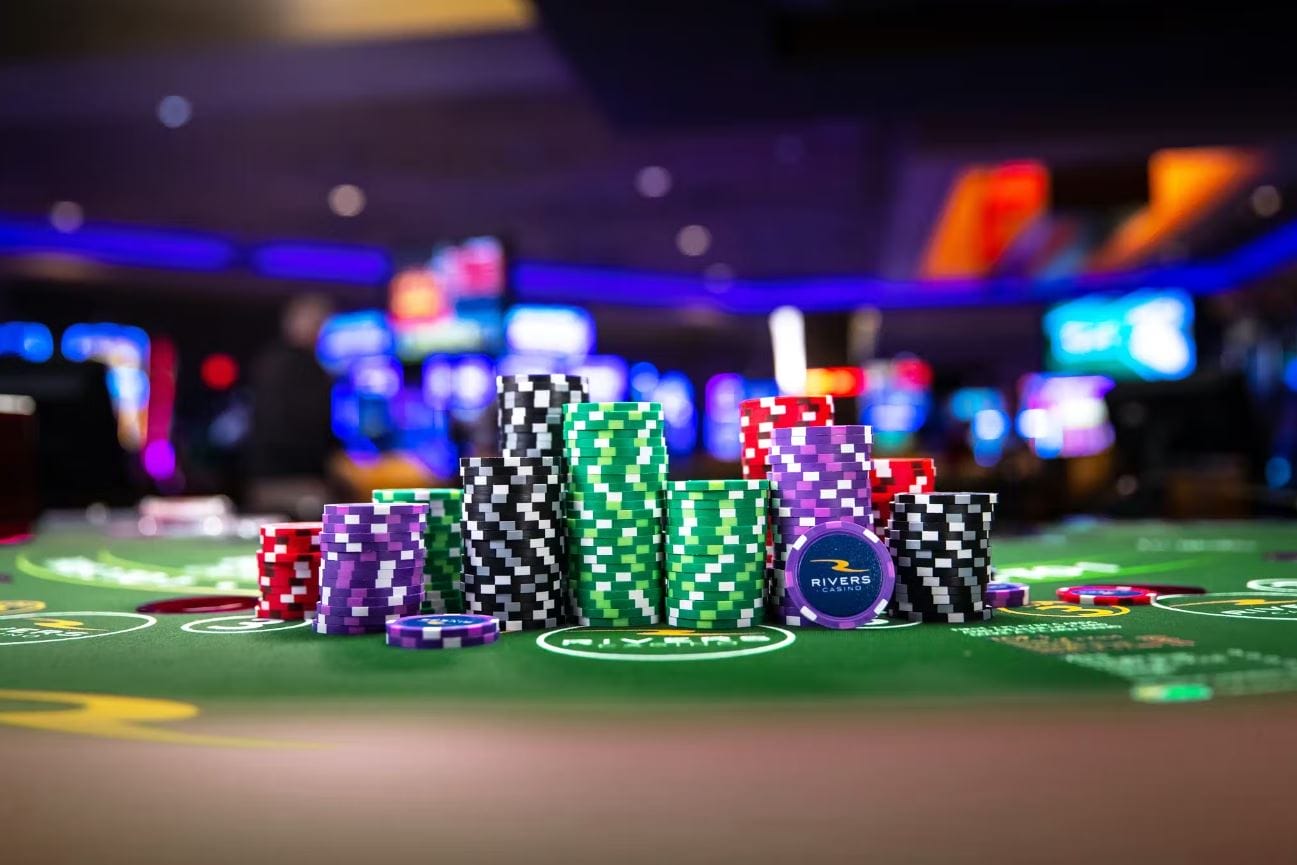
291,530
1105,596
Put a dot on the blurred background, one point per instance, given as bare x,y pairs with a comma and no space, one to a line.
279,250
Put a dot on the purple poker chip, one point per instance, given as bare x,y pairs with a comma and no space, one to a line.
379,524
321,626
823,512
406,607
838,451
1008,594
378,619
839,575
414,554
370,583
853,433
375,509
362,536
442,643
441,627
392,594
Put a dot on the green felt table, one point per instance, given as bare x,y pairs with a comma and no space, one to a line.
1194,690
1241,638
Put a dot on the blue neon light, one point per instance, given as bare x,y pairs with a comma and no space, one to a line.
30,340
348,336
542,282
321,262
128,247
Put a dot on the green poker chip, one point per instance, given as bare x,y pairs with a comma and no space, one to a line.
724,588
417,494
631,560
675,535
615,437
621,622
724,520
578,534
707,578
622,500
638,570
645,584
719,485
578,543
731,613
747,595
727,625
587,489
577,522
588,410
641,516
703,551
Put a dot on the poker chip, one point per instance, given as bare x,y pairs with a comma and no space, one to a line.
512,537
897,475
759,417
715,534
616,461
288,566
818,474
372,557
1008,594
1105,596
941,549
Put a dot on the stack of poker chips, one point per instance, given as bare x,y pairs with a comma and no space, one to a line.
817,474
288,569
758,418
456,631
372,568
531,412
513,540
443,582
941,544
715,553
616,467
898,475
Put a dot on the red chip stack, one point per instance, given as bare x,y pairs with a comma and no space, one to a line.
757,417
898,475
288,570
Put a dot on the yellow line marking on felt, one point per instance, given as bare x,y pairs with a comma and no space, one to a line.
114,717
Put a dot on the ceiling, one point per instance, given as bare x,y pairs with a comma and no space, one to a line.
808,138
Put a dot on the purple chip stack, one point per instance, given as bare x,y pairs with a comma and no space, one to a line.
371,568
817,475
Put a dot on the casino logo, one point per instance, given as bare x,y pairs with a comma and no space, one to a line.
32,628
1063,610
109,571
11,607
227,625
1273,585
1257,606
663,644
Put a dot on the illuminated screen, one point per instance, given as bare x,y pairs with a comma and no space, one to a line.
1064,415
450,302
1147,335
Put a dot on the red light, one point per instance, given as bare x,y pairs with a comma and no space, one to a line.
219,371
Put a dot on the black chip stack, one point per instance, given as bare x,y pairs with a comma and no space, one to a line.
530,412
941,546
513,537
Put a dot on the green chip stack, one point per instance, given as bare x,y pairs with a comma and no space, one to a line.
616,468
715,553
443,581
